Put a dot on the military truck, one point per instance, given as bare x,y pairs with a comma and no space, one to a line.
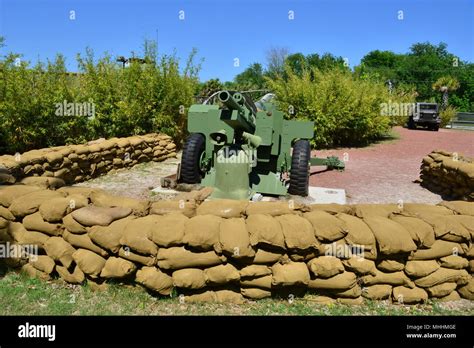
424,115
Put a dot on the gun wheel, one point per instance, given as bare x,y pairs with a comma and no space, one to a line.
191,172
299,172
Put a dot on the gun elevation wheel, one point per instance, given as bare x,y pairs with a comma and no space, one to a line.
191,172
299,172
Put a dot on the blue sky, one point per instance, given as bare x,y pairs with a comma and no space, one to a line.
224,30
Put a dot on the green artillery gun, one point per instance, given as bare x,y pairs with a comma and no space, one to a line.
240,148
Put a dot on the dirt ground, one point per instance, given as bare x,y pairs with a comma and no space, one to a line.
380,173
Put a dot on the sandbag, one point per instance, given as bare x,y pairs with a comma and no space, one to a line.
265,230
298,232
322,300
234,239
341,281
467,291
417,209
325,266
137,234
221,274
60,250
441,290
108,237
390,265
127,254
255,271
327,227
255,293
373,210
466,221
421,232
447,227
229,296
43,182
360,266
76,277
454,262
165,207
32,272
392,238
443,275
89,262
116,267
55,209
202,232
204,296
83,241
332,208
263,256
354,292
30,202
9,193
189,278
35,222
404,295
179,257
101,199
359,234
23,237
79,190
394,278
263,282
290,274
418,269
169,229
275,208
225,208
154,279
6,214
43,263
439,249
377,291
72,225
92,215
358,301
454,296
460,207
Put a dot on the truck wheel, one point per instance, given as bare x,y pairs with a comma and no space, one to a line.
435,128
190,160
411,123
299,172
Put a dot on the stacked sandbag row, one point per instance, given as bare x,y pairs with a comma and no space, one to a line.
226,251
449,174
76,163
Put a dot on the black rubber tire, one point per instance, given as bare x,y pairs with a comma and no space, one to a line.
435,128
411,124
190,169
299,172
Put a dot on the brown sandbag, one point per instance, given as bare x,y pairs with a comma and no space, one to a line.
392,238
441,290
137,234
421,232
439,249
35,222
55,209
390,265
43,263
83,241
30,202
443,275
89,262
79,190
359,234
373,210
325,266
404,295
72,225
466,221
255,293
467,291
127,254
108,237
377,291
234,239
225,208
43,182
59,250
76,277
153,279
255,271
351,301
298,232
265,230
447,227
169,230
275,208
418,209
116,267
166,207
323,300
92,215
205,296
9,193
263,256
179,257
341,281
460,207
421,268
202,232
454,296
101,199
229,296
327,227
24,237
34,273
264,282
221,274
394,278
360,266
354,292
189,278
454,262
6,214
332,208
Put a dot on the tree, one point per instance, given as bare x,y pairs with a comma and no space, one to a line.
251,78
445,84
276,57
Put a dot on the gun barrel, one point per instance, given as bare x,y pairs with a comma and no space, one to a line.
226,98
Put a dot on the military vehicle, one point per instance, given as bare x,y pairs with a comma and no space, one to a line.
424,115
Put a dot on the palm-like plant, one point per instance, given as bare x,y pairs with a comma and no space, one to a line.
445,84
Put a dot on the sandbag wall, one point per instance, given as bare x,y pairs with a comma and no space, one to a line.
76,163
449,174
227,251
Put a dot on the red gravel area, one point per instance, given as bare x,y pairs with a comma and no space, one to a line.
384,172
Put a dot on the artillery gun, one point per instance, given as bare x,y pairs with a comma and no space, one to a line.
240,148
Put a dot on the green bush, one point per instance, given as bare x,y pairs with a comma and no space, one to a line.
346,109
447,115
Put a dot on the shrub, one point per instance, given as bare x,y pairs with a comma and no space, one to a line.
447,115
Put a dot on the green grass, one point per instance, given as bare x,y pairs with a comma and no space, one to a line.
20,295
